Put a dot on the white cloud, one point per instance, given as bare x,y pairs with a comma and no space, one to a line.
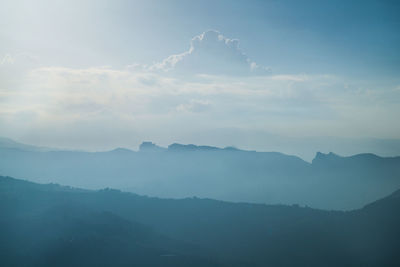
211,53
58,92
156,105
154,102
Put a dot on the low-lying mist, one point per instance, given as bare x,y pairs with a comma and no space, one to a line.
230,174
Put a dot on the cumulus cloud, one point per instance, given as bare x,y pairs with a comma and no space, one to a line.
226,91
211,53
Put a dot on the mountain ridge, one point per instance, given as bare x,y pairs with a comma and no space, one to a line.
206,232
148,145
218,173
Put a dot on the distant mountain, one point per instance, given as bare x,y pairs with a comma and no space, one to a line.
191,147
11,144
51,225
230,174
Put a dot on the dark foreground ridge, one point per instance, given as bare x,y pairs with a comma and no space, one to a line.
52,225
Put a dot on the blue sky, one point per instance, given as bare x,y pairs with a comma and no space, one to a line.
293,36
169,70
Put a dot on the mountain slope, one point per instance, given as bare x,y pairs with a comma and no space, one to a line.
218,232
49,225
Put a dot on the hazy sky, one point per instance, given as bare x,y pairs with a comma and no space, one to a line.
100,74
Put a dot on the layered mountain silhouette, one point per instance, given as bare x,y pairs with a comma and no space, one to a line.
230,174
52,225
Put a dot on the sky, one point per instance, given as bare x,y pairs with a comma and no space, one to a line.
290,76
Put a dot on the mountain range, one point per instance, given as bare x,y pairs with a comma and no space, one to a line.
230,174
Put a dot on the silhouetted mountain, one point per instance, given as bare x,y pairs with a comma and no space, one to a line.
120,150
330,182
150,147
356,161
51,225
191,147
